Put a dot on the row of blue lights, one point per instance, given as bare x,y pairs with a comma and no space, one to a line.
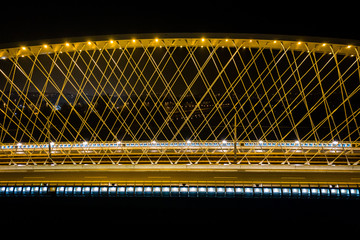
182,191
24,191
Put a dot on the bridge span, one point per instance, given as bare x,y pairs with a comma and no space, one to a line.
182,112
277,181
181,174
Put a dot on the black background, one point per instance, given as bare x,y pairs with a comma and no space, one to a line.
219,214
36,20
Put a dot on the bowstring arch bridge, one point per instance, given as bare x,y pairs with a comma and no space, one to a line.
219,99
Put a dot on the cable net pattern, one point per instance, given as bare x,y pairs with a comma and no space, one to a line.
171,100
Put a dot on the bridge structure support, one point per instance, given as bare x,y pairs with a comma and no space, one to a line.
278,181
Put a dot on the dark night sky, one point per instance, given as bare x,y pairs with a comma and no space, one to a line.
64,19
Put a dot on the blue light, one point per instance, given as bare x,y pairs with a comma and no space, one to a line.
26,191
86,191
103,191
182,191
43,190
95,191
239,191
193,191
248,192
9,191
78,191
138,191
165,191
305,192
325,193
17,191
211,192
148,191
354,193
175,191
230,192
121,191
112,191
68,191
334,193
202,191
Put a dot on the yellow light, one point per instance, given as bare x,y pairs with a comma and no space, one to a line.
275,41
349,46
89,43
111,41
67,44
133,40
299,43
23,48
203,39
324,44
156,40
45,46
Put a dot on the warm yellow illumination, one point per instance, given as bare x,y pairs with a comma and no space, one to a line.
156,40
349,46
133,40
67,44
45,46
203,39
299,43
324,44
89,43
111,41
23,48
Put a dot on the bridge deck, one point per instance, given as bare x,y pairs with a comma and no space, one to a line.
181,153
181,174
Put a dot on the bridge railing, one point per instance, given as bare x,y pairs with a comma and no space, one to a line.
193,191
182,152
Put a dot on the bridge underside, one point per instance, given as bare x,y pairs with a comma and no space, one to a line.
181,174
248,181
